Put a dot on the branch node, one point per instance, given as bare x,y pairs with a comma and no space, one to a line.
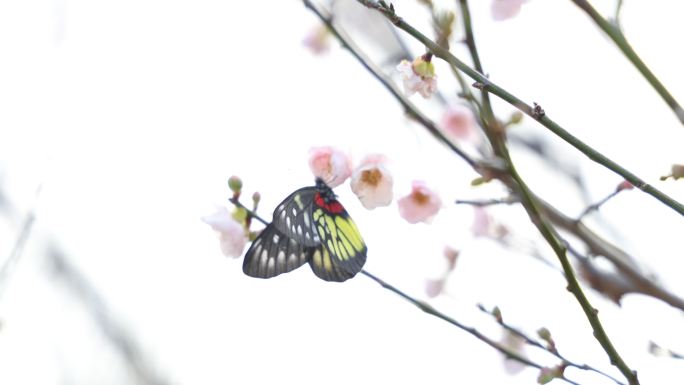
479,85
538,111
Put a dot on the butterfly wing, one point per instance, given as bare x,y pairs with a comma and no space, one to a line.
343,252
293,218
273,253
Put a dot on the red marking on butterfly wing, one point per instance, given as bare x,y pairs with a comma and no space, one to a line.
333,207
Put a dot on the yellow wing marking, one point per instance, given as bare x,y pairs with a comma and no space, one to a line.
317,258
348,228
344,241
317,214
298,201
327,263
330,222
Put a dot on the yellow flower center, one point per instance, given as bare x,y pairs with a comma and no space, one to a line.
420,198
371,177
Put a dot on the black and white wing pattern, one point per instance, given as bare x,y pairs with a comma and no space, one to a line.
293,218
272,253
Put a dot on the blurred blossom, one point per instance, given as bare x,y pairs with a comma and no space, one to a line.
418,76
458,121
515,344
232,235
677,171
484,226
546,374
420,205
481,222
434,287
317,40
451,255
372,182
330,164
505,9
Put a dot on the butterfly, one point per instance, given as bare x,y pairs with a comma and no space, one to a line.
310,225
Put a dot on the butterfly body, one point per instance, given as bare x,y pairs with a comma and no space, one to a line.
310,225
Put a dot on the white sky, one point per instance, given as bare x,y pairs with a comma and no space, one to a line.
134,113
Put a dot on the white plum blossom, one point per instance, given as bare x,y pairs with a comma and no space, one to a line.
372,182
418,76
231,234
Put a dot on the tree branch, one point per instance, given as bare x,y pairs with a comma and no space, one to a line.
615,34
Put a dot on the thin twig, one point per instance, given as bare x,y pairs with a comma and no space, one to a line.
551,350
658,350
16,253
615,34
597,205
488,202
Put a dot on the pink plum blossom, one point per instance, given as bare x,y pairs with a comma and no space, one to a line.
420,205
505,9
232,235
330,164
459,122
372,182
418,76
451,255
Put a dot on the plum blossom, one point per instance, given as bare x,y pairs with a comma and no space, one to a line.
231,234
505,9
317,40
418,76
515,344
420,205
372,182
459,122
451,255
485,226
330,164
434,287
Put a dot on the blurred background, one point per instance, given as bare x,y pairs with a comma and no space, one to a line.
120,123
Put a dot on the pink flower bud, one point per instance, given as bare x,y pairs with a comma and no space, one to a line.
372,182
625,185
330,164
420,205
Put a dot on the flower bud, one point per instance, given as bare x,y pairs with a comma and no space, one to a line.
235,184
